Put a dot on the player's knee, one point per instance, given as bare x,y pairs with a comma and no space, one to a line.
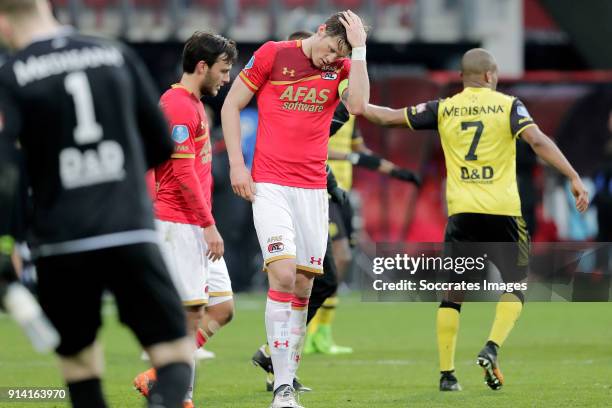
342,254
303,284
176,351
194,315
225,313
283,281
454,297
227,317
87,363
344,261
281,275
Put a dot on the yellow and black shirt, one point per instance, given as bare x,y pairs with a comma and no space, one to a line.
343,141
478,128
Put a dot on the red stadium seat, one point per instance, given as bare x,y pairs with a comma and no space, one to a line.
300,3
148,3
100,4
384,3
207,3
254,3
347,4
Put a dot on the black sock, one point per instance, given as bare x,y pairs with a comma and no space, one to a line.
86,394
171,387
493,344
452,305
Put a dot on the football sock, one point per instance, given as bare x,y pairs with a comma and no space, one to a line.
507,313
299,310
328,311
86,394
171,386
313,326
201,338
189,394
447,327
278,314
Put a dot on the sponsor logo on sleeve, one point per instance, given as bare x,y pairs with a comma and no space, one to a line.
522,111
249,64
180,133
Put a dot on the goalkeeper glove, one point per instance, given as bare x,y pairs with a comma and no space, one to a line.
406,175
337,194
369,161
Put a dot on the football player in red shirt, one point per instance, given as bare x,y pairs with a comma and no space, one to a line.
298,85
190,242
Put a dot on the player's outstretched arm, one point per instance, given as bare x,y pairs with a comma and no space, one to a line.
545,148
358,89
384,116
237,98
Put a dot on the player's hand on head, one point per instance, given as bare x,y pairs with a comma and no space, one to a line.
580,193
242,183
214,242
355,31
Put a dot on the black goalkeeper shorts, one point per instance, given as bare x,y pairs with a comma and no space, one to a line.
71,286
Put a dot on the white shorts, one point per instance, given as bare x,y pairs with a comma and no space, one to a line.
184,250
292,222
219,283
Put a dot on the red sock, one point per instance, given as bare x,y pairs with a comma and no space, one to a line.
201,338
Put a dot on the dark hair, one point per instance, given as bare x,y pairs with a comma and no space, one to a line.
334,28
207,47
300,35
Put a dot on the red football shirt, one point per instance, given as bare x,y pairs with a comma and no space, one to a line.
296,103
184,183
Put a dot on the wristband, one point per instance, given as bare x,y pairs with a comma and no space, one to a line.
358,54
369,161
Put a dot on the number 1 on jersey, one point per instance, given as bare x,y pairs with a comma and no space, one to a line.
471,155
87,129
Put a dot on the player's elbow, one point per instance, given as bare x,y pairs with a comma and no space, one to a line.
536,145
228,108
356,107
537,140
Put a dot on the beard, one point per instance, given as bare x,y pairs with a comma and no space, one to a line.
208,87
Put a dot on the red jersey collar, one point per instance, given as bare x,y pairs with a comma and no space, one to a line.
179,86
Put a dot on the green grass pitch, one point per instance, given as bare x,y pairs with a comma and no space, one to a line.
559,355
